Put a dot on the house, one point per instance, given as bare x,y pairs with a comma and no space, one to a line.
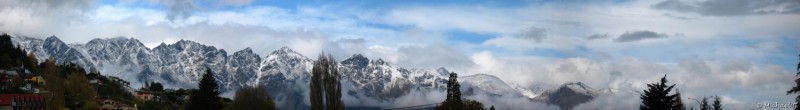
141,95
96,84
7,78
21,68
39,80
9,72
22,101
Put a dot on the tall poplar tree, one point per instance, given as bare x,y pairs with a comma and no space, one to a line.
325,87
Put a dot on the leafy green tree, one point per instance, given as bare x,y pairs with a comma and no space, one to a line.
54,86
657,96
33,61
717,104
207,95
252,98
453,100
80,91
796,88
325,88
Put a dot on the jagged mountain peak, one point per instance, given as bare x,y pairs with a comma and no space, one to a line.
285,53
111,39
247,50
189,44
357,60
579,87
568,95
486,83
186,45
181,64
285,62
357,56
186,42
52,38
117,39
244,52
285,48
380,62
122,41
442,71
54,41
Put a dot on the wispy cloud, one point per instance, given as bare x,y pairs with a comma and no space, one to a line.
731,7
639,35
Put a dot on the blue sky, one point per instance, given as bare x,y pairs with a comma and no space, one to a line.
707,45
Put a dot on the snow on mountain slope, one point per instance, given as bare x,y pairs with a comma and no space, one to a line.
31,45
384,80
186,61
285,62
181,64
483,83
241,69
529,92
568,95
54,47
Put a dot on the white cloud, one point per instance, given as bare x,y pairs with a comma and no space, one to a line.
474,19
739,82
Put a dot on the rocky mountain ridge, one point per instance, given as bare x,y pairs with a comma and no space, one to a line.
180,65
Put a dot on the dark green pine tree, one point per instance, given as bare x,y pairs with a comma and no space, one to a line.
453,100
657,97
7,49
206,97
491,108
704,105
717,104
155,86
325,88
796,88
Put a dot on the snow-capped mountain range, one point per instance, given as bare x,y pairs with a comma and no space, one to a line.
180,65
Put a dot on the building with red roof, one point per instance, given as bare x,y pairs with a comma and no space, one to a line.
22,101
